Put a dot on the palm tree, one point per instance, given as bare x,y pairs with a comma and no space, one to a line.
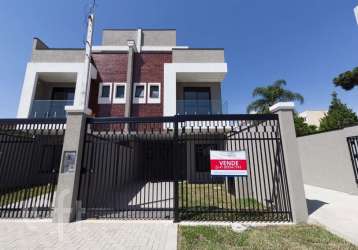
270,95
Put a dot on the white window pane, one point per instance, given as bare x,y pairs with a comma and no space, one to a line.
120,92
154,92
139,92
105,91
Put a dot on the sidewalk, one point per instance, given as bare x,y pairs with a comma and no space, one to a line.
43,234
336,211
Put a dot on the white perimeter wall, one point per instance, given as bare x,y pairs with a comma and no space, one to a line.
326,161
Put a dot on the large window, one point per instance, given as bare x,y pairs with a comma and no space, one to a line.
197,100
67,94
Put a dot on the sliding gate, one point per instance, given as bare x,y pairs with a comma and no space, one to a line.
30,156
159,168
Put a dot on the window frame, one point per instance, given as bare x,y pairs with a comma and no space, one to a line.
118,100
154,100
105,100
139,100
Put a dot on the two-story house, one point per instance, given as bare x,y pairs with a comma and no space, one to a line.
134,73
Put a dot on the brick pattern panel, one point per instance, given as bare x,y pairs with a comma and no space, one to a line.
149,67
111,68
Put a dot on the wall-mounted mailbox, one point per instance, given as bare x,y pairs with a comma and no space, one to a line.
69,162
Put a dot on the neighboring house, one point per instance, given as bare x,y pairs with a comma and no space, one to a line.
134,72
313,117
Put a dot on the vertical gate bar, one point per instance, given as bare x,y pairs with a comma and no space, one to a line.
283,173
114,172
353,153
29,191
55,171
7,173
87,170
107,165
267,174
175,171
18,161
97,173
279,153
119,174
259,164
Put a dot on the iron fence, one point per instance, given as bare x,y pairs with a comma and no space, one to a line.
353,149
158,167
30,155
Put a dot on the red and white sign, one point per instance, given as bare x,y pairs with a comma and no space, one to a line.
228,163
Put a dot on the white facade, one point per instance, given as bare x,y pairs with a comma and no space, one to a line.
313,117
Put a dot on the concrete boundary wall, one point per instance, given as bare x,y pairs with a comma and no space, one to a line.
326,161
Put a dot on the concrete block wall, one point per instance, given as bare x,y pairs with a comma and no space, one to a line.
326,160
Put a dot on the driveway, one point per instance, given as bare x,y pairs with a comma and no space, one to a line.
43,234
336,211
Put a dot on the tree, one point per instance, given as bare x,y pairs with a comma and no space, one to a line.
338,116
269,95
347,80
302,128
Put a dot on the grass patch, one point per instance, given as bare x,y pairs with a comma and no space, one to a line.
24,194
271,237
214,202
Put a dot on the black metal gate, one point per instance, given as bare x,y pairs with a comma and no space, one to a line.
159,168
30,155
353,149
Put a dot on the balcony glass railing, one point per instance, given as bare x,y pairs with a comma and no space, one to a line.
49,108
201,107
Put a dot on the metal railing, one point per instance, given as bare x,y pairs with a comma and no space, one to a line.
30,156
49,108
353,149
201,107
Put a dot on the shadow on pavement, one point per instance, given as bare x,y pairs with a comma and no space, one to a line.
313,205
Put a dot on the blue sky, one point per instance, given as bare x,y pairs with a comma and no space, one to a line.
306,42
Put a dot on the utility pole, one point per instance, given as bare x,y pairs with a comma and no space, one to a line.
67,208
87,64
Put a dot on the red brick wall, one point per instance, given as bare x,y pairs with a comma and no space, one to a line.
111,68
147,67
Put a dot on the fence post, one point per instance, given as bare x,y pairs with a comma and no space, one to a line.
292,160
70,168
175,171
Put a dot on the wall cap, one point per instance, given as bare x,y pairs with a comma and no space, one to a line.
76,110
282,106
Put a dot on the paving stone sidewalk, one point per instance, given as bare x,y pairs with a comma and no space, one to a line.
43,234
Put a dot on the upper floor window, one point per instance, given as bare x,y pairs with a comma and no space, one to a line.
59,93
105,93
119,93
197,100
154,93
139,93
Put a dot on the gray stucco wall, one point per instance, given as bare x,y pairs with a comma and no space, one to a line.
149,37
42,53
118,37
159,37
198,56
58,55
326,161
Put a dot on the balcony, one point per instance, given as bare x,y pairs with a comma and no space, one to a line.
49,108
201,107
